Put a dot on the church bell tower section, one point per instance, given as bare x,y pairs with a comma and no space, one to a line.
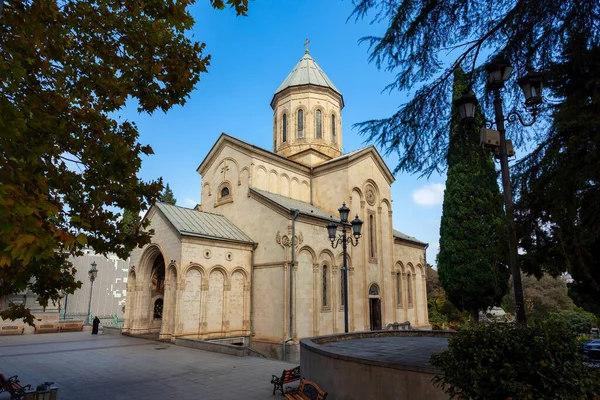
307,118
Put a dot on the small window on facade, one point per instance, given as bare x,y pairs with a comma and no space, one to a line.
284,129
319,125
225,192
300,123
325,302
398,289
409,289
333,128
372,236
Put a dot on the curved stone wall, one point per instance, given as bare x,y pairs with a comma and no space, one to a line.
374,365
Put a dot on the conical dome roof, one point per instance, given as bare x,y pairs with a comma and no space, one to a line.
307,72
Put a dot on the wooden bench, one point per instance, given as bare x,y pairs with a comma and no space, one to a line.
46,328
11,330
71,326
287,376
307,391
13,387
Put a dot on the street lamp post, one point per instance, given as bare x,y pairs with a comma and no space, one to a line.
499,71
92,273
344,239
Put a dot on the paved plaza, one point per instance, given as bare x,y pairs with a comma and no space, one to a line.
106,367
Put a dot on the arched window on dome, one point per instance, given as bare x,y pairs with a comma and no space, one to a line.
333,128
319,127
284,129
300,123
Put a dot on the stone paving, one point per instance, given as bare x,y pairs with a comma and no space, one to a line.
91,367
410,351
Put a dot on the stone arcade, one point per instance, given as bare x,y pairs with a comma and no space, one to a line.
220,271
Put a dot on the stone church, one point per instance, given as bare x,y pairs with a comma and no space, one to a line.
221,271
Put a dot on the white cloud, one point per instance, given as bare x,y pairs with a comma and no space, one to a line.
189,202
429,195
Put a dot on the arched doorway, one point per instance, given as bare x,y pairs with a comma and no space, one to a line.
157,292
374,308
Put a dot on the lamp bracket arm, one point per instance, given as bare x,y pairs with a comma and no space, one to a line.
515,115
489,124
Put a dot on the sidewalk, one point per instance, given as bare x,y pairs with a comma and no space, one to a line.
90,367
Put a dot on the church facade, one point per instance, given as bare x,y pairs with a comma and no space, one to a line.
229,269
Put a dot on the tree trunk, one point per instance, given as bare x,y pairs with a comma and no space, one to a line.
474,316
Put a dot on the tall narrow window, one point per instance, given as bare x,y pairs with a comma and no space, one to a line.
409,289
319,124
300,123
333,128
325,303
284,129
342,287
398,289
372,235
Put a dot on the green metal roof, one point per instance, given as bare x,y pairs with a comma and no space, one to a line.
292,204
307,72
202,224
404,236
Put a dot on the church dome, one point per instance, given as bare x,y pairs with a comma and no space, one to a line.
307,72
307,115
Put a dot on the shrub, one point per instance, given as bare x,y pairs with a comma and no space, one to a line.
578,321
509,362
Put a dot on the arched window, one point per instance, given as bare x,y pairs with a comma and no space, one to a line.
319,125
374,290
300,123
225,192
398,289
372,235
333,128
409,289
325,302
284,129
342,288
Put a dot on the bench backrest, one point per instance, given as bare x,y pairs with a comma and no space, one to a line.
291,374
310,391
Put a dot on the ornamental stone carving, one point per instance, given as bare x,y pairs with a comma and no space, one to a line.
370,195
286,240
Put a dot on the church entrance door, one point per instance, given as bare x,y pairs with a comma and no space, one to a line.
375,311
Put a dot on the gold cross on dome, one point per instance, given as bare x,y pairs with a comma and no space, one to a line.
306,45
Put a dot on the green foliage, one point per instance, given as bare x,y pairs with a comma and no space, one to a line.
501,361
558,204
577,320
66,69
471,263
425,41
131,222
442,313
167,196
543,297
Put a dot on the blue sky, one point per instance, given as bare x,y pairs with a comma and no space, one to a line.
251,56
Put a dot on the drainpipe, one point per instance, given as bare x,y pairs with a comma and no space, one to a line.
294,216
311,186
252,294
425,259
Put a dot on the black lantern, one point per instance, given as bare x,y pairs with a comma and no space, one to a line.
93,272
531,84
356,227
498,71
332,229
467,104
344,211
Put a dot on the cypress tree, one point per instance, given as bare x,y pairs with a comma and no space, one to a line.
472,258
167,196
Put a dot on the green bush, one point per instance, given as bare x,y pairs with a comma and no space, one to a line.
578,321
501,361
